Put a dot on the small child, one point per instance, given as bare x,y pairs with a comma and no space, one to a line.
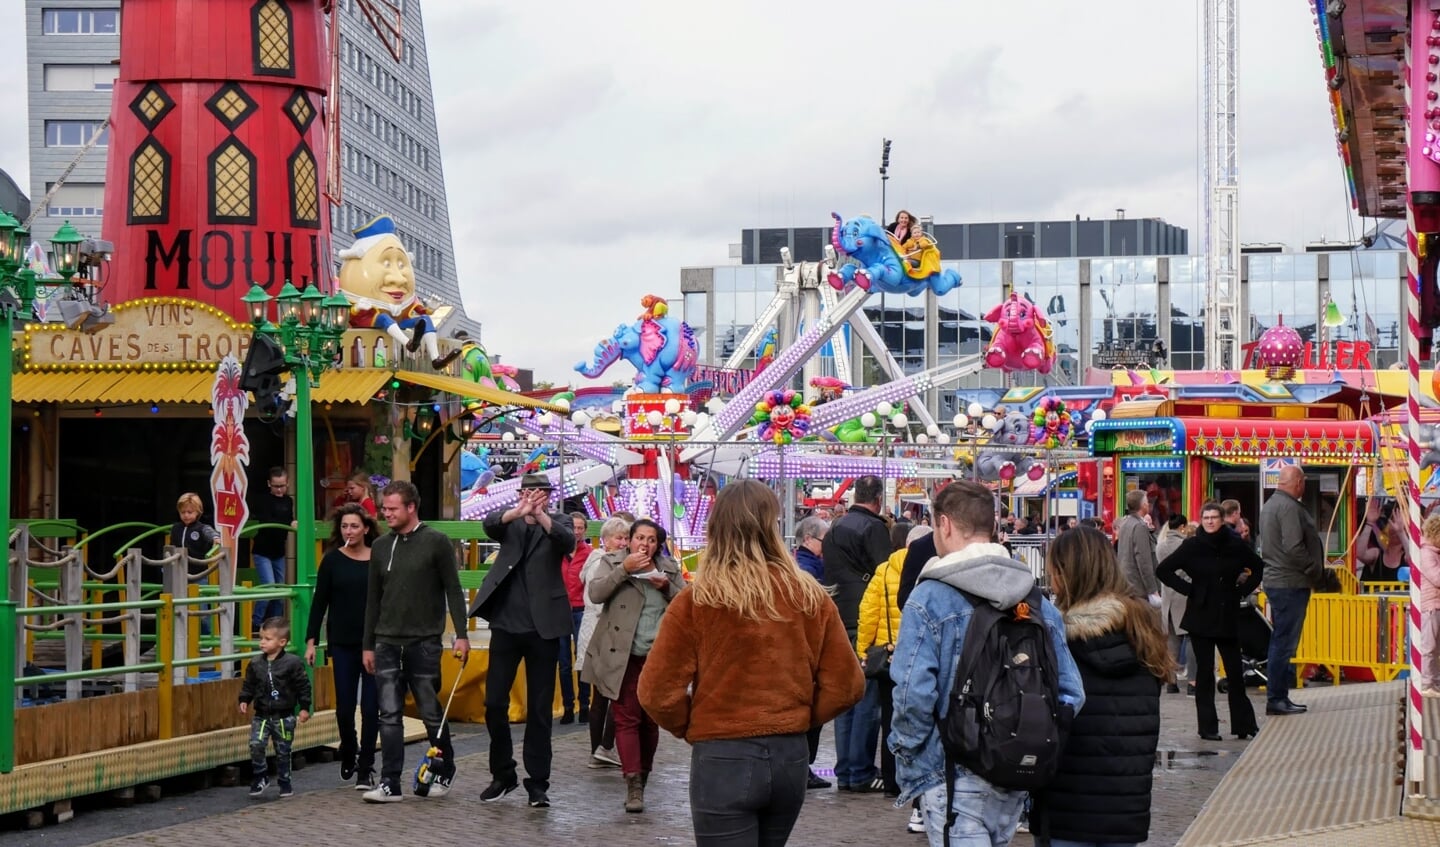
1429,576
275,684
199,540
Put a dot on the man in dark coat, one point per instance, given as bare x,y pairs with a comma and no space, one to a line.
524,600
857,543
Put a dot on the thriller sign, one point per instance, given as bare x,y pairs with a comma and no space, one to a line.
155,330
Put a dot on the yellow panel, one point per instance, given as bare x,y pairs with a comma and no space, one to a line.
466,388
1290,413
1222,410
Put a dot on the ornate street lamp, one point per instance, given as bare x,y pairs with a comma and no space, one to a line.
66,247
309,329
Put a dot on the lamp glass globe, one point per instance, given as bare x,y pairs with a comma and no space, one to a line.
975,410
884,409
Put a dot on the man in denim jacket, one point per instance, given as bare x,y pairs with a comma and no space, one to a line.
932,632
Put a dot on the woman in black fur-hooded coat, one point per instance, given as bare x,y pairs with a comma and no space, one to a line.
1101,794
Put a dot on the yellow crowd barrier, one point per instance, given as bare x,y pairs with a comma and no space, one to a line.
1353,631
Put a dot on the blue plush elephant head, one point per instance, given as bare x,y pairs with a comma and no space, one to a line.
858,236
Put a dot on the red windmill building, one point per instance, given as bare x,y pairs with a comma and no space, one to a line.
218,148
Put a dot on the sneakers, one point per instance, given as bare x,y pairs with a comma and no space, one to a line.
365,780
437,787
384,793
286,789
816,781
604,757
347,766
258,786
538,799
498,788
917,822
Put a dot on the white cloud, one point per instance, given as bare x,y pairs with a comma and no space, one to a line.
593,149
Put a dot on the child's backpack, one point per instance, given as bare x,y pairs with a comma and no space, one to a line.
1005,721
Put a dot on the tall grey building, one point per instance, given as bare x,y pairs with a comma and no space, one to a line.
389,153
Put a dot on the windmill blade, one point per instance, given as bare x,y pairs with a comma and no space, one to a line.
386,18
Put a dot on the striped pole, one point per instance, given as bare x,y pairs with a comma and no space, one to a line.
1420,175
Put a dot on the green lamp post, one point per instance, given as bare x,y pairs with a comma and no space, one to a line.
65,244
18,287
309,331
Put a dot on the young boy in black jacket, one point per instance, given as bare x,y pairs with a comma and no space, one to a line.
274,685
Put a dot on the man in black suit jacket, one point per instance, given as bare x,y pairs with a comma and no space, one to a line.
524,600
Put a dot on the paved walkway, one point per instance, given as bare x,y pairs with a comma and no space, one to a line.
587,804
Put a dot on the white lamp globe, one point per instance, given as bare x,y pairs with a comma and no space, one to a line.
672,406
961,420
868,420
532,437
545,419
975,410
989,421
932,430
580,419
884,409
922,438
508,436
900,421
561,402
654,418
714,405
688,418
943,438
1098,415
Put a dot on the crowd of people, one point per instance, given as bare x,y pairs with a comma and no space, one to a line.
868,624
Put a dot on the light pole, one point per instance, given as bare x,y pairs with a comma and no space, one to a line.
18,285
308,341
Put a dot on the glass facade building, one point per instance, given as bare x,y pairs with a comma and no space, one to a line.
1094,304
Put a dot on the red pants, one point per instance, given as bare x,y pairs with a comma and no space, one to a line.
636,734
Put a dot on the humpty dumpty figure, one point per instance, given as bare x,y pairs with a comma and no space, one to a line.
378,278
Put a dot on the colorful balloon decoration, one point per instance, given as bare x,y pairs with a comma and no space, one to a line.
782,416
1050,426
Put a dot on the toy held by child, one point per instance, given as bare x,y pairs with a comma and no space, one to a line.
275,684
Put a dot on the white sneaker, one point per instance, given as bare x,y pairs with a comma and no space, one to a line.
382,793
438,787
604,757
917,822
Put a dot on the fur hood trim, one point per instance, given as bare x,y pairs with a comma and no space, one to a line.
1095,617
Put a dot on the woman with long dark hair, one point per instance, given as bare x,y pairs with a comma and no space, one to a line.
1101,793
635,587
749,657
1222,571
340,589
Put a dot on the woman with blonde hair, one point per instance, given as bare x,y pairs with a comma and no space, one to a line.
614,537
748,658
1101,792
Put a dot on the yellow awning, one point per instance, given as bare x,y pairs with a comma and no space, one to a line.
115,388
468,389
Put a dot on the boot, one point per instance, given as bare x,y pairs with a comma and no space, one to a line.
634,793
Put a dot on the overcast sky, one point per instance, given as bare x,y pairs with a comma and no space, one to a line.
591,150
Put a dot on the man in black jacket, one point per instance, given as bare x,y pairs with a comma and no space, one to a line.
858,541
524,600
267,548
414,581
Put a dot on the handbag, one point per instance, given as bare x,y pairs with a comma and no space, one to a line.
877,656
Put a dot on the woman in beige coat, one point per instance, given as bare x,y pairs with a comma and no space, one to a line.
635,588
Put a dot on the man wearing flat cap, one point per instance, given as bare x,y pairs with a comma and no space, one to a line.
524,600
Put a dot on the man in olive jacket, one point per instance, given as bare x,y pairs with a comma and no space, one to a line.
1294,562
524,600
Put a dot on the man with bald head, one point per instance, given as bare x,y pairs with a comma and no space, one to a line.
1294,562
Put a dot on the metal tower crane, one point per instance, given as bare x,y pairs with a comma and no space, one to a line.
1221,186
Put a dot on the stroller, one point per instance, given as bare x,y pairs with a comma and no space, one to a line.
1254,644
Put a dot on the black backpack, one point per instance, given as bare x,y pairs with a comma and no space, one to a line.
1005,722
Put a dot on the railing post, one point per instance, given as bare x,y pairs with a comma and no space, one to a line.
8,629
19,575
226,619
134,628
177,581
165,654
72,593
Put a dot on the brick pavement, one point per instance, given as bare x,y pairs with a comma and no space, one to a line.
587,805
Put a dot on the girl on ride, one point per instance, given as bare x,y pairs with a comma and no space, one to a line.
1101,793
340,589
635,588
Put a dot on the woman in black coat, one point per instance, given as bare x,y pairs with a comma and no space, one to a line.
1101,792
1223,570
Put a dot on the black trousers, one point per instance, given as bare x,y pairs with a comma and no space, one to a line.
507,651
1242,714
747,792
887,712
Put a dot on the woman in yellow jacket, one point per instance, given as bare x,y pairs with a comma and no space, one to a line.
879,623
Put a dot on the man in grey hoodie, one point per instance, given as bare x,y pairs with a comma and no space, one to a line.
932,634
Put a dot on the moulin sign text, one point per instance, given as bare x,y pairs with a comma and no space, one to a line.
160,330
222,261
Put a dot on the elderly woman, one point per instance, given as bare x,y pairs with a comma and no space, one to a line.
614,535
635,588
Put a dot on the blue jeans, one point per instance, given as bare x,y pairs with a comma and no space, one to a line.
985,816
269,570
413,667
1287,616
857,734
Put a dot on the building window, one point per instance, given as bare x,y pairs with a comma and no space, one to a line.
81,21
76,200
232,184
74,133
271,38
80,77
304,189
149,184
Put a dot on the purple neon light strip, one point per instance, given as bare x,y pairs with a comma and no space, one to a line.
580,442
836,412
